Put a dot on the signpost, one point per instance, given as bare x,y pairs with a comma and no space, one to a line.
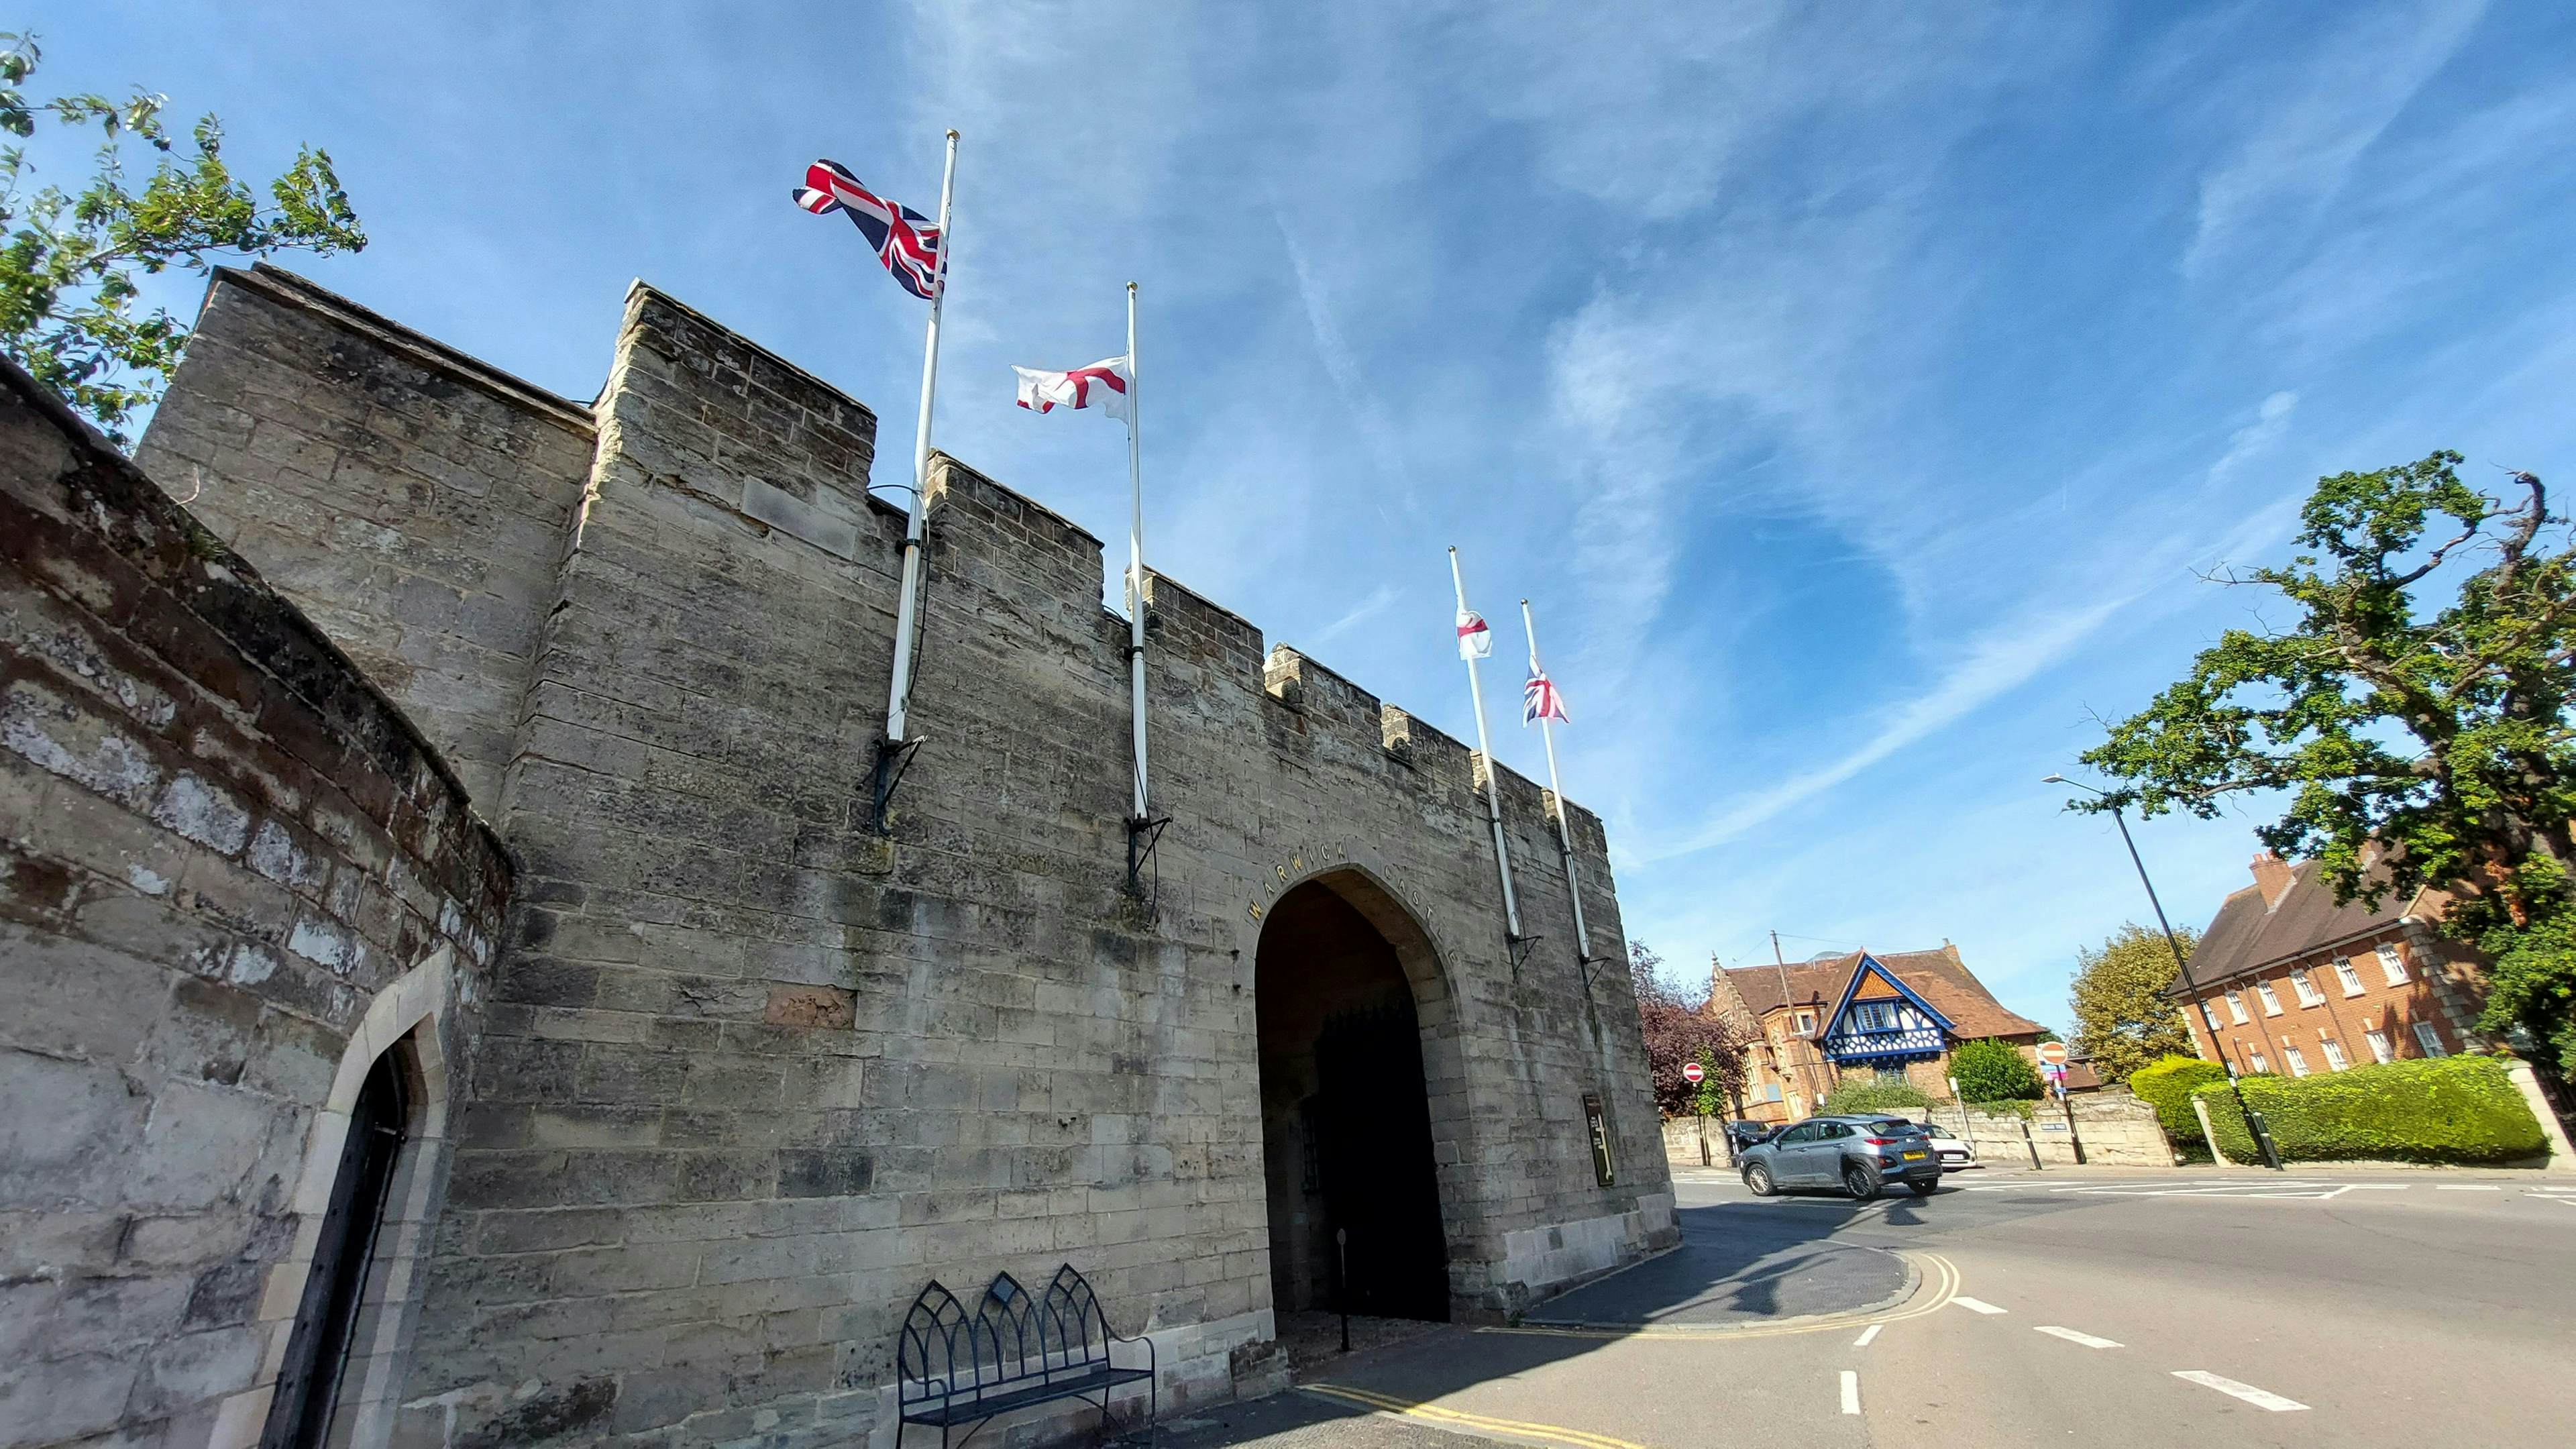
1694,1073
2053,1054
2052,1061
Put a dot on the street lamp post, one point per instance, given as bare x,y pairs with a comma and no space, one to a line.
2254,1122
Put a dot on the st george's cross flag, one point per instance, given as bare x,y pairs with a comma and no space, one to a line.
1102,385
1540,700
905,240
1475,641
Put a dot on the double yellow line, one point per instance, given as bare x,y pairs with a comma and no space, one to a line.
1936,1271
1387,1404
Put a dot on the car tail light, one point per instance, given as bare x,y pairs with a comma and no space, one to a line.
1880,1141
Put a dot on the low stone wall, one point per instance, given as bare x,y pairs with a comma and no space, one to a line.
2115,1128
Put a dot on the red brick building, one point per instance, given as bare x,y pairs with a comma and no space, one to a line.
1892,1017
2298,984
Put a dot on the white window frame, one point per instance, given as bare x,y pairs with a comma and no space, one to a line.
2304,982
2392,964
2259,1062
2271,999
2298,1063
2380,1048
2236,1008
2429,1041
1805,1022
2349,975
2336,1061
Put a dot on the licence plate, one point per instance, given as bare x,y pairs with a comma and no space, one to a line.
1914,1157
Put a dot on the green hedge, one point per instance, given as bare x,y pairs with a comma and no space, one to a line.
1990,1071
2451,1109
1854,1098
2167,1085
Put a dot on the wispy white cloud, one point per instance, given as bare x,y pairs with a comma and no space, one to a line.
1343,366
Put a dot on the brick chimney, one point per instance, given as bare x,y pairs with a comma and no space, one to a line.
2273,875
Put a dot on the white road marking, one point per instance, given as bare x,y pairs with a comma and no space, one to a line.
1851,1392
2259,1398
2466,1187
2377,1186
1976,1305
1867,1334
2071,1336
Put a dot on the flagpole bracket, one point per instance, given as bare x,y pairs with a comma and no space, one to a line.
894,757
1519,948
1144,834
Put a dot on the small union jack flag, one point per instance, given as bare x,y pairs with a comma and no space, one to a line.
1539,700
905,240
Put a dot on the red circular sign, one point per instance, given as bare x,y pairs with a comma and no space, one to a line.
2053,1053
1692,1072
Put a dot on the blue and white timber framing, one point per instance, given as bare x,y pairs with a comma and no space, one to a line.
1879,1032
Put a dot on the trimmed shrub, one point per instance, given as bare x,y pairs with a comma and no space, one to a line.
1991,1071
1854,1098
2449,1109
2167,1086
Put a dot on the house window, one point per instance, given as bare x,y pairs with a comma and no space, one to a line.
2430,1040
2258,1061
2335,1059
2236,1007
1806,1022
2350,978
2304,981
2392,964
2213,1006
1771,1093
2298,1063
2271,1001
2380,1051
1891,1076
1873,1016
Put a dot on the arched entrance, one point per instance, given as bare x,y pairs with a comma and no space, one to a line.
307,1410
1345,1114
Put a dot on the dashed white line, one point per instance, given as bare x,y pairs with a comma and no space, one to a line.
2071,1336
2259,1398
2377,1186
1867,1334
1975,1305
2466,1187
1851,1392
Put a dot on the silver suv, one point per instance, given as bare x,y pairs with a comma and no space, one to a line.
1858,1154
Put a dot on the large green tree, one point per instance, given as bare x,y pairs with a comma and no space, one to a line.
2123,1019
69,262
2414,716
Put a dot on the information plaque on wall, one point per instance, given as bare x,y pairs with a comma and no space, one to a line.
1599,1125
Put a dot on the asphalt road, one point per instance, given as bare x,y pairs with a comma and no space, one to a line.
2098,1308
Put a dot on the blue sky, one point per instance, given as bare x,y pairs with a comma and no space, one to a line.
1854,389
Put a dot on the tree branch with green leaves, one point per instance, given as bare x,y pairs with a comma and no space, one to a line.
70,262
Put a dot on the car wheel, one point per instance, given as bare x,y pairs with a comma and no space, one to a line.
1925,1189
1859,1181
1757,1178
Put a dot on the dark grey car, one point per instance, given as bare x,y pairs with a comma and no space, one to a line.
1859,1155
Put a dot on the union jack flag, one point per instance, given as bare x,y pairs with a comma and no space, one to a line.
1540,700
905,240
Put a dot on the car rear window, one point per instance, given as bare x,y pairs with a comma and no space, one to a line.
1898,1127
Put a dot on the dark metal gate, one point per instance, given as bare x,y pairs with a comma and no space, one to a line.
1374,1155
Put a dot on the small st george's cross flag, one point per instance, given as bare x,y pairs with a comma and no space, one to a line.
1539,700
905,240
1102,385
1475,641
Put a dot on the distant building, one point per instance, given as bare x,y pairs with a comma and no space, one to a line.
1895,1017
2298,983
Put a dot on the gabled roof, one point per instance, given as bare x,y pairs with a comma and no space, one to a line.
1869,968
2248,935
1939,977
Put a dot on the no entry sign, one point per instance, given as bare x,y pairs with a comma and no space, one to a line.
1693,1072
2052,1053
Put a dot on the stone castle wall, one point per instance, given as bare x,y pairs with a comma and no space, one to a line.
751,1074
231,874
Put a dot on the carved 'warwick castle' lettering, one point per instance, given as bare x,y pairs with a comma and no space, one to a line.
676,1083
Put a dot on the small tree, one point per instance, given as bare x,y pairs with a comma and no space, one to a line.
68,263
1990,1071
2123,1019
1681,1028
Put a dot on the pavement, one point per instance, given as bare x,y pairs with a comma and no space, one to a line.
2101,1307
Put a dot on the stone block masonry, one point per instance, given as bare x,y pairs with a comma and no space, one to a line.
749,1075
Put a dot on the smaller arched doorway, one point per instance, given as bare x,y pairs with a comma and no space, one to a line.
310,1407
1345,1116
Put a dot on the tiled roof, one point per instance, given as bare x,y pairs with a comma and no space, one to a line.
2246,935
1939,977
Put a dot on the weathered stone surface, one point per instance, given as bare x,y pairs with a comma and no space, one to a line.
746,1075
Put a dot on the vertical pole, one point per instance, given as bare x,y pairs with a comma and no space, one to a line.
907,608
1564,833
1493,772
1136,568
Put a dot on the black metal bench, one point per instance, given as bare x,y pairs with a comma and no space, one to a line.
959,1369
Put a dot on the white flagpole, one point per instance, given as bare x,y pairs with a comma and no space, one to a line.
1493,772
1564,833
1136,566
907,608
